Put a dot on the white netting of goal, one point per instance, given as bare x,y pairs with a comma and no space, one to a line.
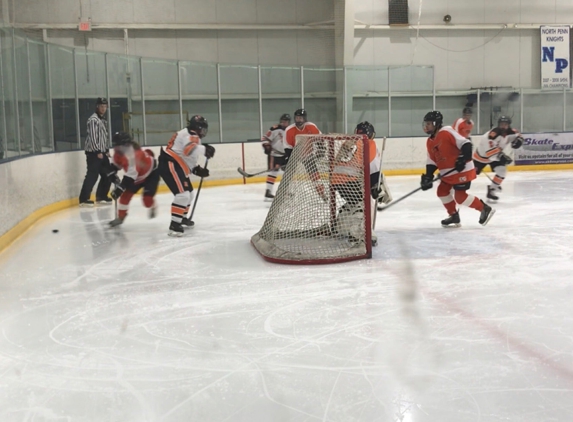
321,212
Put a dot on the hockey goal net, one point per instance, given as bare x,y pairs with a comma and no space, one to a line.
321,212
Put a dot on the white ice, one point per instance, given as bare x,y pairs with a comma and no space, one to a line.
442,325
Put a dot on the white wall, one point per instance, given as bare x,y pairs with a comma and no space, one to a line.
267,47
463,58
31,183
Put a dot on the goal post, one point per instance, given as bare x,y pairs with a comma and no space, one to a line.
322,209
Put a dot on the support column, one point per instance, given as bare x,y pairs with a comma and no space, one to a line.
343,56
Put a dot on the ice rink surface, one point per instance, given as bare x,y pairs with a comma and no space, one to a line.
442,325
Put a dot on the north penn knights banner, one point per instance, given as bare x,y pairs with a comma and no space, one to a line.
555,61
545,148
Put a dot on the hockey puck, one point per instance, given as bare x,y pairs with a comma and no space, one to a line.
55,231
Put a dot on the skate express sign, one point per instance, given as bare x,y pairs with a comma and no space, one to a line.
545,148
555,60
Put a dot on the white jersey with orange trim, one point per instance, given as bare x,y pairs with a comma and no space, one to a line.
275,136
493,143
292,131
186,149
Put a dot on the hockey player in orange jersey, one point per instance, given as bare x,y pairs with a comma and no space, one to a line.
464,125
140,169
451,154
302,126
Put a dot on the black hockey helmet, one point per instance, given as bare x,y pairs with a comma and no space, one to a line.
285,116
121,138
504,119
435,117
101,101
300,112
199,125
468,110
365,128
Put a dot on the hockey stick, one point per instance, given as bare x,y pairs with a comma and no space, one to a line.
198,191
435,179
379,182
247,175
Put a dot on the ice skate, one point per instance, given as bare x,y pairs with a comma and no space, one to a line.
453,221
116,222
187,224
152,212
486,214
491,193
175,229
374,240
268,195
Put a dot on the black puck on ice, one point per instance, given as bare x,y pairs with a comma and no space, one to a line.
55,231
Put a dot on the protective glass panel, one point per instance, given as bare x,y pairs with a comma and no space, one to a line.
367,97
543,112
63,98
411,90
27,143
321,99
281,93
200,95
494,104
240,103
161,89
40,109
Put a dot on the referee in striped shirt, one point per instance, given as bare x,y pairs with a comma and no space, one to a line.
97,158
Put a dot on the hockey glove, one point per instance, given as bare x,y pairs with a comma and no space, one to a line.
209,151
376,191
517,142
504,159
460,163
268,148
200,171
427,181
116,193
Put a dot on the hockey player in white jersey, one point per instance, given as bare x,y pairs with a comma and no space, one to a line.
176,164
273,145
490,152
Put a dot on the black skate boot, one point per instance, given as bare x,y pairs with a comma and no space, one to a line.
175,229
187,224
452,221
486,214
117,222
269,195
491,193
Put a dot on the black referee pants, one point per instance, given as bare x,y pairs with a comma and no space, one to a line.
96,167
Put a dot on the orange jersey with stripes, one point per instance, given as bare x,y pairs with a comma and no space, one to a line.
186,149
349,161
443,151
292,130
493,143
463,127
135,162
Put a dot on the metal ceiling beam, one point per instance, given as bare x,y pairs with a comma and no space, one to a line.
175,26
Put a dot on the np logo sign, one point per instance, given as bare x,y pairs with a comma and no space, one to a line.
555,57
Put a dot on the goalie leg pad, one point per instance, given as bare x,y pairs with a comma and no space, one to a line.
385,196
350,221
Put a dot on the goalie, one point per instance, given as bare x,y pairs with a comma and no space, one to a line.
490,152
345,179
